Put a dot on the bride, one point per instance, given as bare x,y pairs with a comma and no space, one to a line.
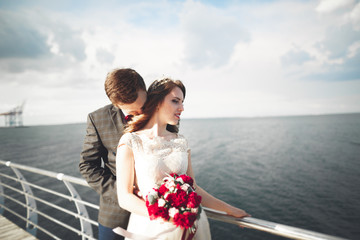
151,149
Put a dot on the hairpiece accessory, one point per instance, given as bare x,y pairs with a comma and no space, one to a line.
158,83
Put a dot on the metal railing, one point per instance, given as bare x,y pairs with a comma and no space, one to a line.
86,222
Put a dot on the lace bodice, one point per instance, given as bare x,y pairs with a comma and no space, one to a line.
156,157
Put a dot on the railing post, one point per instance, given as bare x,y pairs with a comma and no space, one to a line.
85,226
32,216
2,199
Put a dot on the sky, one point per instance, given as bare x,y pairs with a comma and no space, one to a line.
236,58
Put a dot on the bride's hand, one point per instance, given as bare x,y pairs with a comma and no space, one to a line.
237,212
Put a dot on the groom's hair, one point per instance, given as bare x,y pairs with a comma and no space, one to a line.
122,85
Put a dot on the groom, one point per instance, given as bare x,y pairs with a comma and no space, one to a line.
127,92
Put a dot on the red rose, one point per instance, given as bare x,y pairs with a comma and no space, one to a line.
194,200
174,175
178,199
152,209
164,213
185,220
187,179
162,190
155,211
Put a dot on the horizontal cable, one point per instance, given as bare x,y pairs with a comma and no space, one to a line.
68,197
76,215
26,220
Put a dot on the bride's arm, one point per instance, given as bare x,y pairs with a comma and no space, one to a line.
125,182
212,202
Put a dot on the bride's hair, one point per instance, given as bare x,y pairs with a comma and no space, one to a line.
155,96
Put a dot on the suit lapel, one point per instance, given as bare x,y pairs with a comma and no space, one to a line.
116,118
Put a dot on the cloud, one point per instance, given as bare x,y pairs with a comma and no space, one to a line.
104,56
354,16
69,41
33,40
251,56
295,57
210,35
336,54
338,39
347,70
20,38
327,6
341,47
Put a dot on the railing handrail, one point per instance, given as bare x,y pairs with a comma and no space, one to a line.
248,222
59,176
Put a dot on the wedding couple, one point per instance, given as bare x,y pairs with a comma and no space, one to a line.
123,160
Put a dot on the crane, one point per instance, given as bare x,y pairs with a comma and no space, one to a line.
13,118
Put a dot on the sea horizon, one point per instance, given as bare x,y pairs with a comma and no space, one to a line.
205,118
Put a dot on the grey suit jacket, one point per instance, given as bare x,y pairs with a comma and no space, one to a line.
104,129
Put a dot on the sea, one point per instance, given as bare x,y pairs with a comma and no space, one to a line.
301,171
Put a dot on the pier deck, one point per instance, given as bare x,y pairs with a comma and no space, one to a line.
10,231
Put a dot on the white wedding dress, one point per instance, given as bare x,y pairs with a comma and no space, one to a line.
154,159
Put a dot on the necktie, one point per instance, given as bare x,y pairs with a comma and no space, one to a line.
128,118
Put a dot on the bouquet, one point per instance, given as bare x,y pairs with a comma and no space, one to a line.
175,201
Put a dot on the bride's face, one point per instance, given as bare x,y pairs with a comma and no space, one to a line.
172,106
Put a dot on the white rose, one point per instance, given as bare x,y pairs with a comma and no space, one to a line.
185,187
194,210
152,196
173,212
179,179
153,192
161,202
170,184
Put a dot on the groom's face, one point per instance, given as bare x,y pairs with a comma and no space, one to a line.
135,107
